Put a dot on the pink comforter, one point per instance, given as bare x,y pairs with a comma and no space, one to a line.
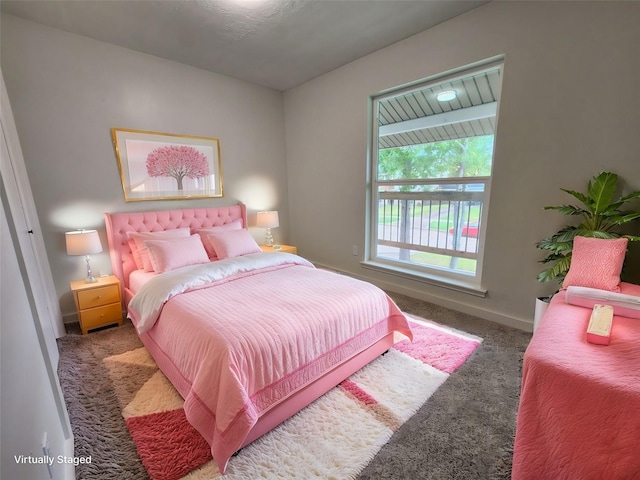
579,415
251,339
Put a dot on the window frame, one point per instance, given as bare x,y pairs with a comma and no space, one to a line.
463,282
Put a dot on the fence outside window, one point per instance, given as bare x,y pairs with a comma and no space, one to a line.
431,223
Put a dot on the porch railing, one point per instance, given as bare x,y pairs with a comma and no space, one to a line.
444,221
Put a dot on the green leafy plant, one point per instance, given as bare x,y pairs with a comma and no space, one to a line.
601,216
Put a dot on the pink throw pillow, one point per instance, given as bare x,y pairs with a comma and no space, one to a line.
170,254
596,263
235,225
233,243
139,249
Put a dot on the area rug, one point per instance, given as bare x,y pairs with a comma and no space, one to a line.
333,438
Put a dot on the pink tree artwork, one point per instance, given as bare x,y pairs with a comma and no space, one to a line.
177,161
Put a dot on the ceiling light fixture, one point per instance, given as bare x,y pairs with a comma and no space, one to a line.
446,95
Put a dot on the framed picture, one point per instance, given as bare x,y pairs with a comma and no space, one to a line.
165,166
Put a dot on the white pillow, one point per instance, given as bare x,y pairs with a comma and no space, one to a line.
233,243
170,254
623,304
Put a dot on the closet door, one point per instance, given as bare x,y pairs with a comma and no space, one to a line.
25,219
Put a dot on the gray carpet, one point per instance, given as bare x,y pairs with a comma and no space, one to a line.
465,430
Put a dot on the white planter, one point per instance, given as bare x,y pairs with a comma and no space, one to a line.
542,303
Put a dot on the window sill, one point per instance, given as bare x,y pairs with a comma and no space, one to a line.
439,281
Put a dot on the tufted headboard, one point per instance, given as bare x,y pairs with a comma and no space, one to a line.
118,224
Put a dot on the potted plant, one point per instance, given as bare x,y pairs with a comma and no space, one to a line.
601,218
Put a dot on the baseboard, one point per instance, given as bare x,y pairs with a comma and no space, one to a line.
518,323
69,318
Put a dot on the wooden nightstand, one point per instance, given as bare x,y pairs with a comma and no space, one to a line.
283,248
98,304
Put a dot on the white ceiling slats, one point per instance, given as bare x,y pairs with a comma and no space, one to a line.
400,116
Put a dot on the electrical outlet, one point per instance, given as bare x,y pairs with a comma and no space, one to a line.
354,250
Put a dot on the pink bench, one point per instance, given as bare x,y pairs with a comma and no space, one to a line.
579,415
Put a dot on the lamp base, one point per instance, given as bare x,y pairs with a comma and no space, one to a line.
268,239
90,278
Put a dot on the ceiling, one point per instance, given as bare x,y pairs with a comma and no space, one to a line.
275,43
416,116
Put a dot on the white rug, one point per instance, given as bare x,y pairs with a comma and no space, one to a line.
337,435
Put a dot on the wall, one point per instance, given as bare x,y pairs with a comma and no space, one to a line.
67,92
569,110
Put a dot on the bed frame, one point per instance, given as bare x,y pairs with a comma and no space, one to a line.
122,263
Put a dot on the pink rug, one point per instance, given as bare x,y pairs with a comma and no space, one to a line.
167,444
437,348
379,399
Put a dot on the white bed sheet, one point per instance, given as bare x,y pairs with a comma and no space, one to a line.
139,278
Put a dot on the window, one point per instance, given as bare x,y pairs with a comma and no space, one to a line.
430,174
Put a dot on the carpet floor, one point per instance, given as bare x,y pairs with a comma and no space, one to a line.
464,431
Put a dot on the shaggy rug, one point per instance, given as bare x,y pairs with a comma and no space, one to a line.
335,437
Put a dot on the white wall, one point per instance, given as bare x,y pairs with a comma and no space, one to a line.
68,91
569,110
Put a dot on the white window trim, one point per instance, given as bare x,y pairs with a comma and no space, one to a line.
439,281
469,284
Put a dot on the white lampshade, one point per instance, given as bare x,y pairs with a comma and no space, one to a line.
83,242
268,219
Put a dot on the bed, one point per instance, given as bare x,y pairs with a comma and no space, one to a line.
247,338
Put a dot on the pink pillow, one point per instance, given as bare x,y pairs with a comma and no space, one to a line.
596,263
235,225
139,249
233,243
169,254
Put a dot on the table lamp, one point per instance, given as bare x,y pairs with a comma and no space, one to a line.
84,242
268,220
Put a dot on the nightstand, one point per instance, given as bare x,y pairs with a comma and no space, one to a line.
283,248
98,304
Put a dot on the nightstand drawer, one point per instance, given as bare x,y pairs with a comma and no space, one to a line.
101,316
96,297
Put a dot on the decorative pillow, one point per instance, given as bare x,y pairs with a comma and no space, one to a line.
596,263
139,249
233,243
169,254
235,225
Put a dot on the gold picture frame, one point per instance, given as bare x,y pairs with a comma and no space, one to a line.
166,166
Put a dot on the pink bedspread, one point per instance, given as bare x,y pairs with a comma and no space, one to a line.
579,415
252,339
